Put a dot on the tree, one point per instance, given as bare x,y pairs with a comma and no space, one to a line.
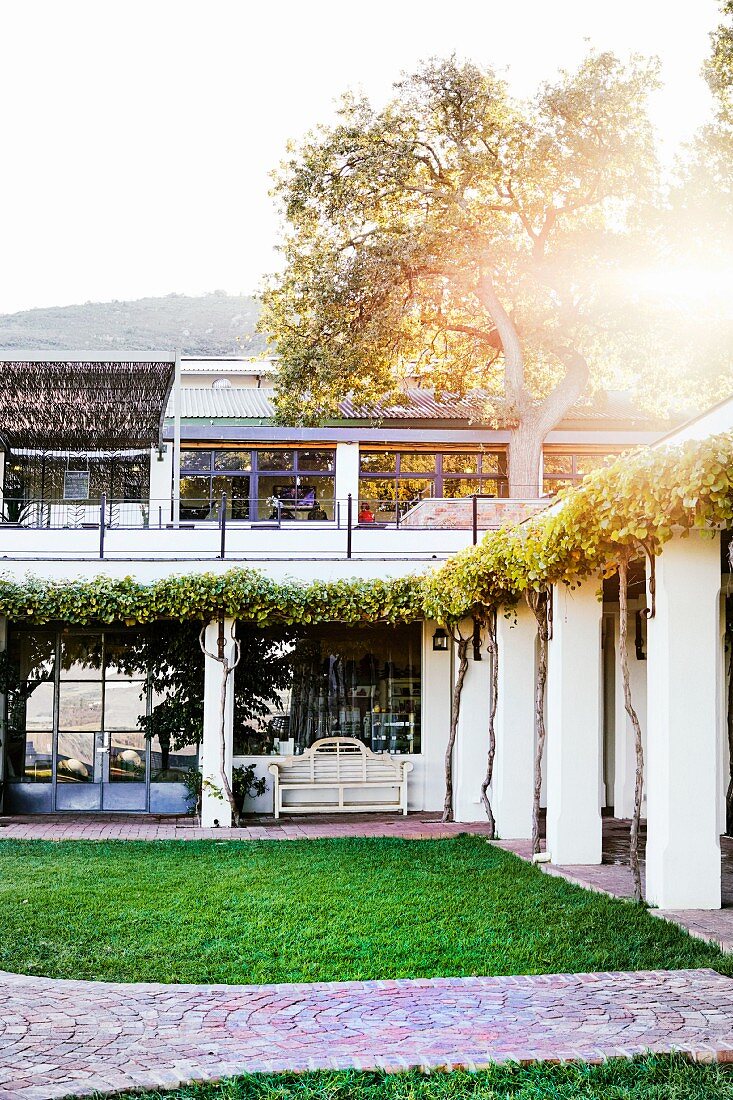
462,236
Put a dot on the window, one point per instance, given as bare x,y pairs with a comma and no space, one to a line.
392,482
563,469
362,682
259,483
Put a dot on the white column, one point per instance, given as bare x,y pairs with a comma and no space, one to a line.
624,739
161,475
435,719
574,702
214,808
513,783
3,726
683,845
472,738
347,476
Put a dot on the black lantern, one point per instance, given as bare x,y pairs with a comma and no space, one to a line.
440,639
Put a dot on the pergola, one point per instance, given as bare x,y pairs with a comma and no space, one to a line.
83,402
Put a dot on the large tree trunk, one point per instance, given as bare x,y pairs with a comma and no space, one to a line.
634,719
525,453
463,644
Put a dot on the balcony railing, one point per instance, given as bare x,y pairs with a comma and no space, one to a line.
220,518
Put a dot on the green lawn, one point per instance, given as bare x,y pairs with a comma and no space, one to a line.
312,911
645,1079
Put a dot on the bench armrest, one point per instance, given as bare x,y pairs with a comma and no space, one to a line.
274,769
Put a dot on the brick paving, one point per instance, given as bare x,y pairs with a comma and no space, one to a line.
416,826
68,1038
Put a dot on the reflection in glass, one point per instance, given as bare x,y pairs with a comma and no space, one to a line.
29,757
381,462
324,461
32,706
466,487
75,758
81,657
125,704
417,463
460,463
195,497
123,659
233,460
169,765
127,757
275,460
237,491
358,682
195,460
80,705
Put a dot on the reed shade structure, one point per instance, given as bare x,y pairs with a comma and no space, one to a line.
83,405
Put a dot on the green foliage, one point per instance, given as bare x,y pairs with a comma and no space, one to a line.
435,232
245,783
245,594
654,1077
314,910
631,507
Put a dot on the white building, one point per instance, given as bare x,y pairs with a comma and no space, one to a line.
162,466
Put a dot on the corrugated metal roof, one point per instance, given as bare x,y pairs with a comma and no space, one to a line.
478,407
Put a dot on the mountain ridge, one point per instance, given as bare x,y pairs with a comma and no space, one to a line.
206,324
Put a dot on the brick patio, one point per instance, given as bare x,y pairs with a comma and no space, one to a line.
416,826
64,1038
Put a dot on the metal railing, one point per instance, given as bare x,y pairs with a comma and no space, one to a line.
476,514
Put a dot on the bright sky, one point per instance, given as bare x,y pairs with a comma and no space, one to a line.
138,135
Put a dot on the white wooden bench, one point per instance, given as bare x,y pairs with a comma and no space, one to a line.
340,764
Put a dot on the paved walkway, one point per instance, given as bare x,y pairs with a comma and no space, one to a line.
416,826
64,1038
613,877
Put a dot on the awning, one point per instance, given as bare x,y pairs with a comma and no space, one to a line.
84,403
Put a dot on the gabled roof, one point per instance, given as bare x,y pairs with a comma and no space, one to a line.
83,402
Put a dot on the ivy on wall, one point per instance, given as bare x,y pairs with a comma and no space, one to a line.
635,505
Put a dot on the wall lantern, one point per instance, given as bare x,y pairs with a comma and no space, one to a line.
440,639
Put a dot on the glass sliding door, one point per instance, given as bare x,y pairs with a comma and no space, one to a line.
79,706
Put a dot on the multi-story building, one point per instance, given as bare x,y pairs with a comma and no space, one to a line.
152,466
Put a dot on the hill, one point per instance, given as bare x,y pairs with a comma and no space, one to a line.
212,324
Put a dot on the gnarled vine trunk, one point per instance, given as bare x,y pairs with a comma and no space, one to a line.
538,600
729,724
634,719
227,669
462,644
493,651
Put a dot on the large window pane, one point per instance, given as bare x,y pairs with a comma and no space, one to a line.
276,460
124,655
379,462
584,464
315,498
127,757
237,491
558,464
273,488
80,705
233,460
75,758
195,498
378,497
32,706
317,460
32,655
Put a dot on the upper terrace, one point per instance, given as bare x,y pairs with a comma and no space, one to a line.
182,460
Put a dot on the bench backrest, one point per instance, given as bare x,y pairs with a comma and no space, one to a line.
340,759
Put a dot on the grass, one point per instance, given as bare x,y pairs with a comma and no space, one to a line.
312,911
652,1078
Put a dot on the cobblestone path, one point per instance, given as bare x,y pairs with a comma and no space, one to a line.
66,1038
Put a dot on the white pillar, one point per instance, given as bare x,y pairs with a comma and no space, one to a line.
3,726
347,476
161,484
624,739
435,718
472,738
574,703
683,845
215,808
513,784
